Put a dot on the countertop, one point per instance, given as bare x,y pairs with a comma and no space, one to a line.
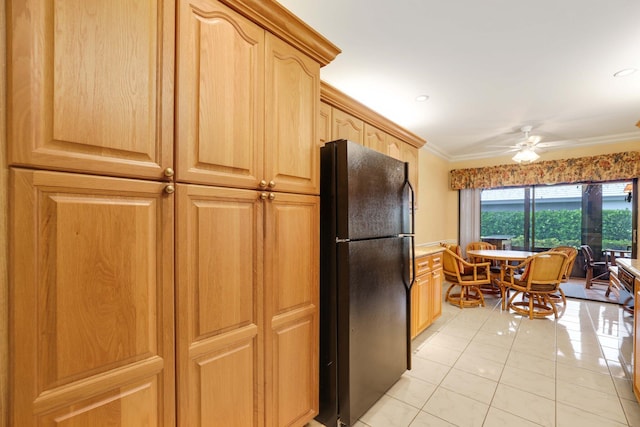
428,250
630,264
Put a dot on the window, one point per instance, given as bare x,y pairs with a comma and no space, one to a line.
543,216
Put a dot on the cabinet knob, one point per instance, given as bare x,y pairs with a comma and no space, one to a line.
263,196
168,172
272,196
272,184
169,189
263,184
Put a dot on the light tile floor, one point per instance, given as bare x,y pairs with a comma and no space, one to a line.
487,367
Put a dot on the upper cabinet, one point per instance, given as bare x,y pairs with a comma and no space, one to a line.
324,124
346,126
90,86
356,122
241,89
375,139
292,163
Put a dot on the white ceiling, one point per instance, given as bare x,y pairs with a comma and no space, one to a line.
488,66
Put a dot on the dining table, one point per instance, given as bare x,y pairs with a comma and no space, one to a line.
503,257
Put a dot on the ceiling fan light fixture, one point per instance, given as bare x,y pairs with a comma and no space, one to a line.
526,155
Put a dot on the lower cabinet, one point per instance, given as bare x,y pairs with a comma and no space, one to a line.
103,334
426,293
247,307
636,331
91,301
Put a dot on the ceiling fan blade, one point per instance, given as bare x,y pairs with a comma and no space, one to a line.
554,144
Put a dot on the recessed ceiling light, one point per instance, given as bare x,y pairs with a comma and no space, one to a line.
422,98
625,72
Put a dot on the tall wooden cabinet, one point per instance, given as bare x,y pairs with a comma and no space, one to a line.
247,104
90,86
91,325
102,332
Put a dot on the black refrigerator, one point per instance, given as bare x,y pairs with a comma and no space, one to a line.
366,239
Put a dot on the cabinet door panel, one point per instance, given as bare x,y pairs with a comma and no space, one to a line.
292,107
394,147
324,124
345,126
220,96
96,96
94,258
219,259
375,139
291,308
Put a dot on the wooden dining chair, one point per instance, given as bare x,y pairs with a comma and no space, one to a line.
572,254
541,278
465,275
596,271
492,288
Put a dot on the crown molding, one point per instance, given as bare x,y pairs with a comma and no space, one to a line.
278,20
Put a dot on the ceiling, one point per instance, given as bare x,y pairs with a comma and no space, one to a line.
489,67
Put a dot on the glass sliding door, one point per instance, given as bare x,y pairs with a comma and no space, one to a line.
504,212
556,219
541,217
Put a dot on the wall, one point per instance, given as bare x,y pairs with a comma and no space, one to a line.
437,214
443,224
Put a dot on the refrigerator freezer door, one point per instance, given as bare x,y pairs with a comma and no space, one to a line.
371,193
372,318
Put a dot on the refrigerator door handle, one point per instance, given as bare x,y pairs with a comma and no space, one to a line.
413,226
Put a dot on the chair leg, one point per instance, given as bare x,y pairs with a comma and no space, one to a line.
562,295
589,278
531,307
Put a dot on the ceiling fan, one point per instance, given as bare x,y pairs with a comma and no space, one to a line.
526,148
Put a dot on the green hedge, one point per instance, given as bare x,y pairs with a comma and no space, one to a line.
554,228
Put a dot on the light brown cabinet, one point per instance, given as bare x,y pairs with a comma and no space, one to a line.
426,292
91,86
247,315
375,139
291,291
346,126
97,337
324,124
92,326
230,72
636,337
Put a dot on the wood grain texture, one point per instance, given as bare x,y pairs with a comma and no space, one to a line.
4,194
292,102
324,124
636,337
426,293
95,256
91,86
220,306
220,97
291,309
346,126
375,139
279,21
341,101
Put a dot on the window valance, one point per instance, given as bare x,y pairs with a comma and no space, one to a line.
606,167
